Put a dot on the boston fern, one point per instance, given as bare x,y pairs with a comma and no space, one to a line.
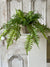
29,20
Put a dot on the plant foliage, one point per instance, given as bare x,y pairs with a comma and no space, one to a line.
31,21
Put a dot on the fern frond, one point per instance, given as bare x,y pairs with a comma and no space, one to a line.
28,43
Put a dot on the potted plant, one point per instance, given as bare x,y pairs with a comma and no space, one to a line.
30,21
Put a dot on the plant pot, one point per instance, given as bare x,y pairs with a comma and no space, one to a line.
24,30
